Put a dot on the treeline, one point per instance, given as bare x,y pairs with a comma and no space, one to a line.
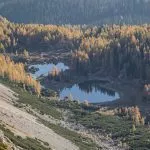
76,11
15,72
118,50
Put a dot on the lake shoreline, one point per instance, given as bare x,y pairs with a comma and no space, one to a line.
129,90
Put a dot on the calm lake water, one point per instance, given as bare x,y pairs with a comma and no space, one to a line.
92,91
44,69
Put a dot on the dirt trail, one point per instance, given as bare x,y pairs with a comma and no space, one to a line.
25,124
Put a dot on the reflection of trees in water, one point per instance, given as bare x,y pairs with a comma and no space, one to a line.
90,86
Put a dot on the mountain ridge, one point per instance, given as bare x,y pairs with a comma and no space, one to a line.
97,12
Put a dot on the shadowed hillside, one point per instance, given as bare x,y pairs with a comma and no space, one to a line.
76,11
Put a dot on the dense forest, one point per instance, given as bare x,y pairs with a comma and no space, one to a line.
76,11
120,50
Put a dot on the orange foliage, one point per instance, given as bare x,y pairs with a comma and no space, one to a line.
16,73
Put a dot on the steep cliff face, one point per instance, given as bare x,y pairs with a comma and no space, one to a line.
76,11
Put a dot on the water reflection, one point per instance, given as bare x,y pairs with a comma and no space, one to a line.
44,69
96,86
93,91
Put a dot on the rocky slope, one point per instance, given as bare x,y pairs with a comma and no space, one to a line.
26,125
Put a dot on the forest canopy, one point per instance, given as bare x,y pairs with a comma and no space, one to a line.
122,50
